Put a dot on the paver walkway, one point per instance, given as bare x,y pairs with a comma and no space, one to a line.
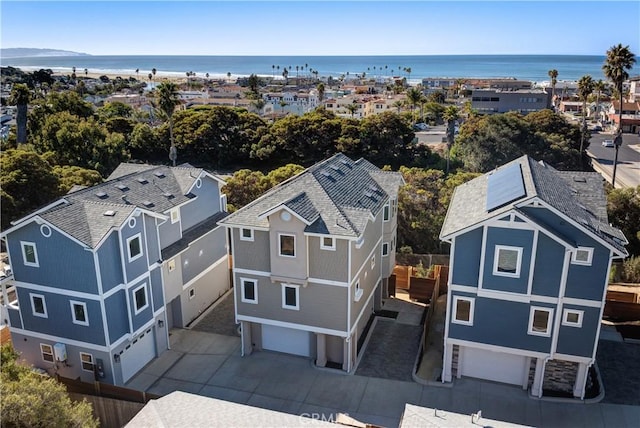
619,365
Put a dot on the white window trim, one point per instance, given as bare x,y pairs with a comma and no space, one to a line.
518,262
137,256
385,245
243,298
53,357
33,306
280,235
175,215
82,362
223,203
359,292
73,312
574,254
386,207
568,323
549,321
284,297
24,254
331,247
146,299
246,238
472,303
373,261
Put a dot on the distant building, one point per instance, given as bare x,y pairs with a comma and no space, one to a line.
491,101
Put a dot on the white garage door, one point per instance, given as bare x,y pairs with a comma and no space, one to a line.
496,366
291,341
138,354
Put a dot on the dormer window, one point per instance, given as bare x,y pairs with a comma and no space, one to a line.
29,254
246,234
287,245
386,212
134,247
582,256
327,243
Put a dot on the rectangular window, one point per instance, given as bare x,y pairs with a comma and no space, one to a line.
246,234
287,245
463,310
327,243
572,318
507,261
79,312
358,291
134,246
582,256
29,254
385,212
385,248
373,261
540,321
140,298
192,293
38,305
175,215
47,352
249,290
87,361
223,203
290,296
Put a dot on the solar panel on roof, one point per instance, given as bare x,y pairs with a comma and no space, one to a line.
504,186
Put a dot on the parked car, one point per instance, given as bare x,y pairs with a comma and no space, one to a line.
597,128
607,143
421,126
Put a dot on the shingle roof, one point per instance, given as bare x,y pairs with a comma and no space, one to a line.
337,196
577,195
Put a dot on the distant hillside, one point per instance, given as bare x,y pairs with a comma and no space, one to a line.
31,52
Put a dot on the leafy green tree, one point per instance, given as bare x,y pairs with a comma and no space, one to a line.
20,96
167,98
450,115
70,176
352,108
115,109
144,143
623,209
414,95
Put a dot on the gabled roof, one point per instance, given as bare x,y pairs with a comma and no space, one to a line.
337,196
579,196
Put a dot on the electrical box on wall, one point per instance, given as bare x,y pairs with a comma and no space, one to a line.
60,351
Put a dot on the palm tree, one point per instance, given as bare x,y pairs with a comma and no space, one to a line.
619,60
585,88
150,77
352,108
273,70
283,103
553,74
398,104
86,72
228,75
153,71
20,96
137,72
320,89
450,115
297,75
413,97
599,87
259,104
167,102
408,70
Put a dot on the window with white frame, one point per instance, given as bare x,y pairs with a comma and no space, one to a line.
249,290
385,212
358,291
87,361
223,203
47,352
29,253
507,261
373,261
463,310
540,321
327,243
38,305
287,245
134,247
175,215
572,318
291,296
140,298
79,312
246,234
385,248
171,265
582,256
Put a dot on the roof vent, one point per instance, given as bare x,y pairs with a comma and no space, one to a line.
142,180
579,179
147,203
345,162
168,195
102,195
109,213
159,174
122,187
325,173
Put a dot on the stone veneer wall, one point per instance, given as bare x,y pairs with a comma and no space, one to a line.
454,361
560,375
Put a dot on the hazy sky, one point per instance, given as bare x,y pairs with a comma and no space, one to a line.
321,28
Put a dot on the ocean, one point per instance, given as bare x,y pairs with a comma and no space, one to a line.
525,67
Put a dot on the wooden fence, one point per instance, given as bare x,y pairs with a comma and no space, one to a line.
110,412
621,311
439,288
106,390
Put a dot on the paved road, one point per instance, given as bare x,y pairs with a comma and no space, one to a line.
628,170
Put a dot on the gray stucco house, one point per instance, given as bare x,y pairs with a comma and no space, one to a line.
531,250
103,273
311,260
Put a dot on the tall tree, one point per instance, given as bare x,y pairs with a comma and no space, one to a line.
320,89
352,108
167,102
413,97
619,60
20,96
585,88
553,74
599,87
450,115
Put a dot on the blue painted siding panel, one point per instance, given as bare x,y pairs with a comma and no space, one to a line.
202,253
117,319
466,267
14,317
547,273
509,237
110,263
500,323
145,315
59,321
579,340
138,266
152,239
56,255
205,205
156,288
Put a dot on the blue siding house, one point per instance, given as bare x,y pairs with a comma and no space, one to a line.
102,274
531,250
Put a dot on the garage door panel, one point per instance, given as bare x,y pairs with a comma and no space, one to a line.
495,366
289,340
140,352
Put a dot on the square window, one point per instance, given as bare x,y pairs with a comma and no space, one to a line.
87,361
38,305
192,293
463,310
79,313
385,212
385,248
29,254
134,246
175,215
540,321
507,261
140,298
582,256
327,243
359,292
572,318
287,245
249,290
47,352
290,296
246,234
